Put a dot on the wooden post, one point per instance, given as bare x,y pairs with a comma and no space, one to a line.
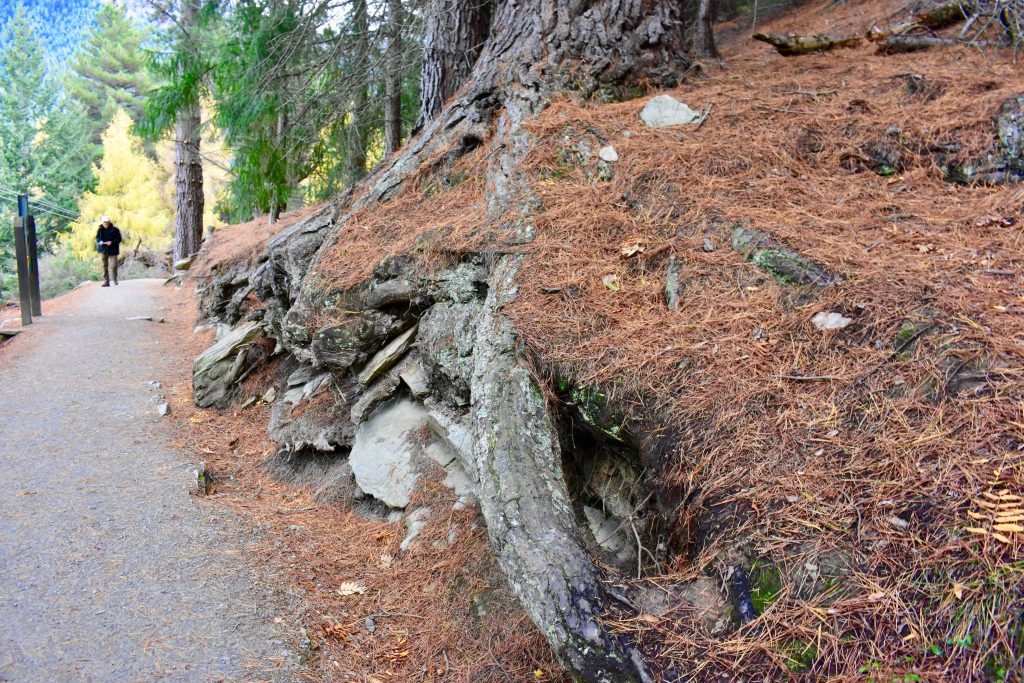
33,266
21,256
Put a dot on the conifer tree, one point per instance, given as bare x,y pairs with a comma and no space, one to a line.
108,71
27,96
127,190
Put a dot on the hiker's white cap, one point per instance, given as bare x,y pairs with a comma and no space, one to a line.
104,219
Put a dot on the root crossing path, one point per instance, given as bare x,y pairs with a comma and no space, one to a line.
109,571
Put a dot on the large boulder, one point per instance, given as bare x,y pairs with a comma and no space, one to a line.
214,372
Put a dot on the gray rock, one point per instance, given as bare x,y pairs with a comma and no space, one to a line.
1010,130
663,110
250,402
414,524
10,332
300,376
392,292
294,395
377,393
455,431
384,359
611,534
215,370
382,451
708,246
163,409
415,379
783,264
608,154
184,264
672,285
270,395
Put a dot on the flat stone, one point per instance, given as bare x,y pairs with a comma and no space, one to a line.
414,524
140,317
270,395
454,431
12,332
416,380
830,321
215,370
249,402
456,478
382,451
184,264
314,385
608,153
382,390
294,395
610,533
663,111
163,409
384,359
300,376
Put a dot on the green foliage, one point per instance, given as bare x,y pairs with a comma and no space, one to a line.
43,146
108,71
765,585
58,23
60,272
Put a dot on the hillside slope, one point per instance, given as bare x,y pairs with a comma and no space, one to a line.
779,355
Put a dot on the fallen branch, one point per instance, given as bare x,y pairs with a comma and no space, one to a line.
902,44
791,45
940,16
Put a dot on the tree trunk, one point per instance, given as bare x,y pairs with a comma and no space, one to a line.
704,36
393,80
536,49
188,166
455,33
357,127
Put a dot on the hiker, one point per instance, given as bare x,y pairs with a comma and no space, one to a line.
108,243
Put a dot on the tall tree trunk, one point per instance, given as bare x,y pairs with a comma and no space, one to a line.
357,128
393,80
188,166
704,35
455,33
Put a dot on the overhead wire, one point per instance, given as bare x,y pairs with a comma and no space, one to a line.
42,205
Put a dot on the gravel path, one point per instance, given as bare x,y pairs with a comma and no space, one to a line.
109,571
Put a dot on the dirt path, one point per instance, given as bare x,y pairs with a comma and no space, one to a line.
109,571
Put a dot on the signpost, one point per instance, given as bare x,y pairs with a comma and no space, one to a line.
26,252
21,255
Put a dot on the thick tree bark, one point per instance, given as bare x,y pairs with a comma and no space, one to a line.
704,35
393,80
536,49
357,127
455,34
188,166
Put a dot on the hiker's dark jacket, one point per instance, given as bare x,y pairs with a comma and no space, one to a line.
112,235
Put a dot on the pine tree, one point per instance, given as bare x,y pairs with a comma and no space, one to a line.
108,71
66,155
58,23
27,96
127,190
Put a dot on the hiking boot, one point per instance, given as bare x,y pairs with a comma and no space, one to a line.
116,282
105,284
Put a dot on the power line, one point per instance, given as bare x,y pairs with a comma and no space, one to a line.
43,209
53,210
44,206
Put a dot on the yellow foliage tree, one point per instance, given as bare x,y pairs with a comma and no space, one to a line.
127,190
